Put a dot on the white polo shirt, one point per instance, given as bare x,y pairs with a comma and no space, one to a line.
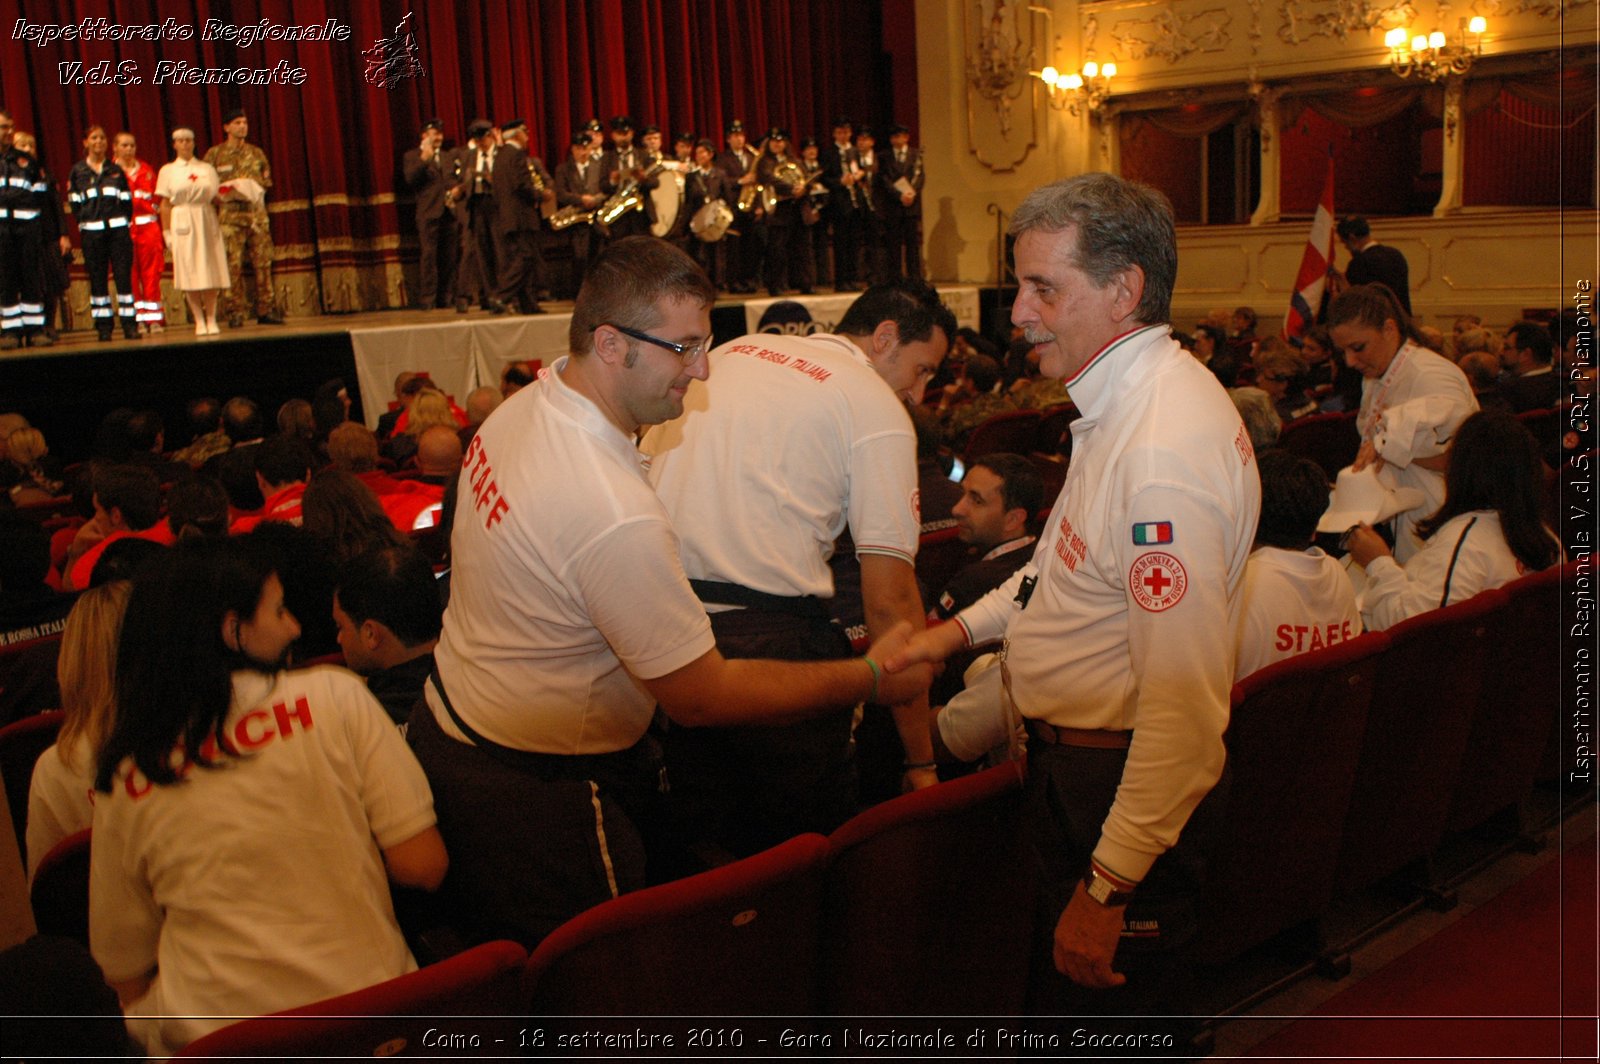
1294,602
1414,373
566,588
1396,592
1139,570
791,439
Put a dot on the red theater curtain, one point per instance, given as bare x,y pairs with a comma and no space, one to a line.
1533,145
335,141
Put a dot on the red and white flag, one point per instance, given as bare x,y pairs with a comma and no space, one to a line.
1312,278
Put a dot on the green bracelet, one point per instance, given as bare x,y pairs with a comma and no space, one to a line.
877,675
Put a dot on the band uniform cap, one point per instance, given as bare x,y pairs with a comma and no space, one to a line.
479,127
645,131
808,142
864,131
621,122
899,127
593,125
1364,499
843,120
735,126
777,133
511,124
229,116
686,137
579,136
433,123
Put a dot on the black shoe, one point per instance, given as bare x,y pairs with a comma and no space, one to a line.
105,335
268,319
462,306
807,291
130,332
8,342
41,340
494,306
534,308
235,321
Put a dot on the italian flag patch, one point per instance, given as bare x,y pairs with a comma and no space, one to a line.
1152,533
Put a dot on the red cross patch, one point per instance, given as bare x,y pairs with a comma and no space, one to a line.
1158,581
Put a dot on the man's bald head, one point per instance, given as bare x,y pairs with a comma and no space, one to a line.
438,452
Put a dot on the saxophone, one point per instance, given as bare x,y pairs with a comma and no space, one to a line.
627,197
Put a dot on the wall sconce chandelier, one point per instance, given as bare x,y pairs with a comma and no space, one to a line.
1434,56
1077,93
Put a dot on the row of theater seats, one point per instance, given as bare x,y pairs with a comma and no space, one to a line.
1345,767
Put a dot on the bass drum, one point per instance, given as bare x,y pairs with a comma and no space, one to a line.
710,223
667,198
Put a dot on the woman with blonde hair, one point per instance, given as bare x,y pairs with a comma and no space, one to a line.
24,449
59,802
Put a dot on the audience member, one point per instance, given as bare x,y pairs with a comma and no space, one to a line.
403,394
1296,598
236,467
1530,381
147,439
1281,374
354,449
346,517
389,616
937,494
1261,420
197,507
61,795
1335,386
306,568
127,502
439,450
283,466
1411,404
123,559
1489,531
1372,262
1483,374
1001,495
295,419
973,398
207,436
290,781
25,456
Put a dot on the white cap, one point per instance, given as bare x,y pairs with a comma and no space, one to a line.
1362,499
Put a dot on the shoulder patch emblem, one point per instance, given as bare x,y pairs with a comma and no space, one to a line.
1158,581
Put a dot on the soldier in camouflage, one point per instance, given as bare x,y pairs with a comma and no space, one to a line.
243,214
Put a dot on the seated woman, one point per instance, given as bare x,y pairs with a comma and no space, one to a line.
59,802
1487,533
245,814
1412,400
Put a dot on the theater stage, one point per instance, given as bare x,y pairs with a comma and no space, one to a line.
67,389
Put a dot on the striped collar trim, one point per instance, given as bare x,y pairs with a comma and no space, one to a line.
1100,356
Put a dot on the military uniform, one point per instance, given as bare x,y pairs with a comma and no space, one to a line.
245,223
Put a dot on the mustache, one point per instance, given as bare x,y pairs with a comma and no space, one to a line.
1037,337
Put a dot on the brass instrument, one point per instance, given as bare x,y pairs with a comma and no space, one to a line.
785,175
569,216
628,197
539,189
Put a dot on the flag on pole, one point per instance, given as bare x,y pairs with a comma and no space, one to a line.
1312,278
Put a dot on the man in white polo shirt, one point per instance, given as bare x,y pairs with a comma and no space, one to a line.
570,620
791,441
1120,633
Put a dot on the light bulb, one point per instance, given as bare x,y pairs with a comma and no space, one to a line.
1477,25
1073,82
1049,76
1091,69
1436,39
1419,43
1395,38
1109,70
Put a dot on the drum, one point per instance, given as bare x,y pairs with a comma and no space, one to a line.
667,198
710,223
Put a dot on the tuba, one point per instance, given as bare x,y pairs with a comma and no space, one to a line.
784,176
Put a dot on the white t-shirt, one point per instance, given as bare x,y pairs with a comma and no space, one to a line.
1294,602
566,588
1394,592
1422,431
791,439
259,884
60,799
1138,574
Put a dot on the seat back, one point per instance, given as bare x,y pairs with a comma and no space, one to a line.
939,873
1424,701
1519,702
939,555
60,890
1293,741
20,746
1052,436
28,677
1009,430
1330,440
740,940
403,1016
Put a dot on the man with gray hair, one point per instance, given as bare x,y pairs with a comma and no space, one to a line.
1118,634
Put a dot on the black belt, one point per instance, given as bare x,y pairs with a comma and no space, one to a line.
717,593
1092,738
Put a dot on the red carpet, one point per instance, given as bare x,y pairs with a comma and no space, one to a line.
1513,980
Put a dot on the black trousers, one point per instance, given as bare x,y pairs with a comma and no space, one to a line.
1070,791
535,841
110,250
746,789
479,266
902,236
845,226
518,255
440,245
21,293
783,227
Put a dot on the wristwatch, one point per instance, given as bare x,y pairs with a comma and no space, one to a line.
1103,889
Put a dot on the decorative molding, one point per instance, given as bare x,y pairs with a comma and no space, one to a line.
1000,47
1172,36
1304,20
1550,9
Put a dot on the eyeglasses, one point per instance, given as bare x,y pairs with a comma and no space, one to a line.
687,352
